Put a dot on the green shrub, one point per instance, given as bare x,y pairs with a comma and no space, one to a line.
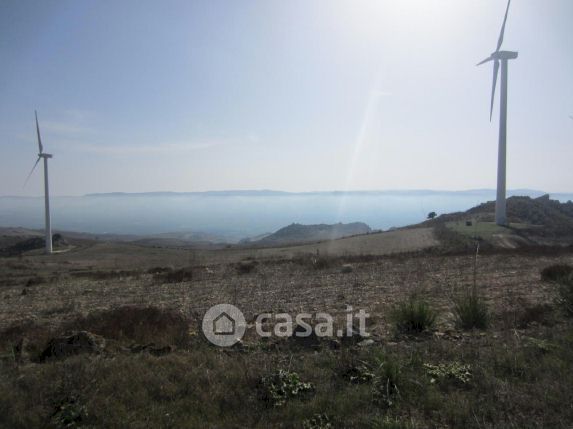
283,385
385,389
454,371
69,414
413,315
318,421
358,374
472,312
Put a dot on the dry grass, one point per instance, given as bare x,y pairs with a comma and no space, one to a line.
141,325
521,368
518,382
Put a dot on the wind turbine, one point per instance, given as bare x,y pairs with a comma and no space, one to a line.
502,57
45,156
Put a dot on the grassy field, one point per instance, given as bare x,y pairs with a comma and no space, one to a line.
516,373
500,236
485,229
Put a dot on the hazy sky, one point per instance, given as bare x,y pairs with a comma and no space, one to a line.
294,95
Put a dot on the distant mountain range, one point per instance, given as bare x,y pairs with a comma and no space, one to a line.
272,193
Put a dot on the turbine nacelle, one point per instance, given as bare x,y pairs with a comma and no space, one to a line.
504,55
500,56
45,155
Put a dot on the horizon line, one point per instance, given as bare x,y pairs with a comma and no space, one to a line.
254,192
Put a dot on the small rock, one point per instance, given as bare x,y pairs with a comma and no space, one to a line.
366,343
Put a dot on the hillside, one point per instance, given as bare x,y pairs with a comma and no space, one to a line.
109,335
532,221
297,233
555,217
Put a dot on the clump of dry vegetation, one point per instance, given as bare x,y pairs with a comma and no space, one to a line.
105,275
413,315
247,266
472,312
562,276
136,324
557,273
174,276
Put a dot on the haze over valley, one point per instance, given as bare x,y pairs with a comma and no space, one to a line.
234,215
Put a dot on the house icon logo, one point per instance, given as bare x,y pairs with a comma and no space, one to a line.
224,325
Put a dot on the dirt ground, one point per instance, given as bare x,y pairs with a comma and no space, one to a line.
48,289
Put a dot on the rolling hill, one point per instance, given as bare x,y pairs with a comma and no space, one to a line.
297,233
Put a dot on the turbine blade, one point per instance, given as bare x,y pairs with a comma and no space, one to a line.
31,171
38,132
500,40
495,72
488,59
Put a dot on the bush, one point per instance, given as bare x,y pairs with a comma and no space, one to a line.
385,389
142,325
321,262
454,371
537,313
318,421
174,276
159,270
472,312
69,414
246,267
562,275
413,315
557,273
277,388
566,295
33,281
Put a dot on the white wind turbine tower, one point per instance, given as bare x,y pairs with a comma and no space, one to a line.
45,156
503,57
